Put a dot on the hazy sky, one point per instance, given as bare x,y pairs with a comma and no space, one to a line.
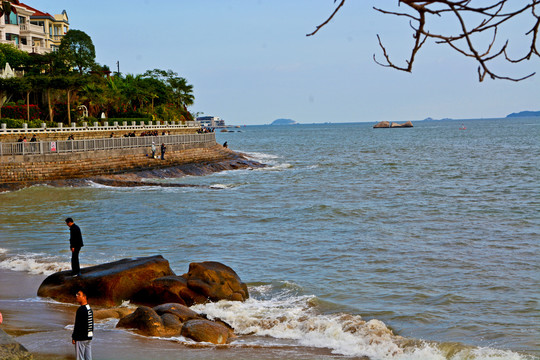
250,61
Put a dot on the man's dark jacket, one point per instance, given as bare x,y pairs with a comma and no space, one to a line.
75,237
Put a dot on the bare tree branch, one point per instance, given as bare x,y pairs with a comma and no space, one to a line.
328,20
492,16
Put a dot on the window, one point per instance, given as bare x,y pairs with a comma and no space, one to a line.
11,19
12,37
22,20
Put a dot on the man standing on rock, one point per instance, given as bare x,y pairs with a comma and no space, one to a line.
75,244
83,331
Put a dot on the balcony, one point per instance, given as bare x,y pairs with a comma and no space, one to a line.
27,48
32,29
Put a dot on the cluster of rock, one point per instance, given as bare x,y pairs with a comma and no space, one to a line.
164,296
177,320
386,124
11,349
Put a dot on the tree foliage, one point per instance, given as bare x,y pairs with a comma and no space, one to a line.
15,57
77,51
474,18
63,80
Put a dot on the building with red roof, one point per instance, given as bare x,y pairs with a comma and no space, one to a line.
32,30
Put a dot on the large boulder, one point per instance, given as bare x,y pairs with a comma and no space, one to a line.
183,313
207,331
145,320
168,320
12,350
205,281
216,281
168,289
107,284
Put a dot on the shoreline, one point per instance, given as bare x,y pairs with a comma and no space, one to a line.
140,177
44,328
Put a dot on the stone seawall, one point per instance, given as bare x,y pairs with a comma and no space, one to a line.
42,168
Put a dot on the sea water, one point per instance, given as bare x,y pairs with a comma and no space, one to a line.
413,243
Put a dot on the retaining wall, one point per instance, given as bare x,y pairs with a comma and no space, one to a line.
40,168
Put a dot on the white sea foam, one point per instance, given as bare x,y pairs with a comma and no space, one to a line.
222,186
3,251
261,156
293,317
272,161
34,264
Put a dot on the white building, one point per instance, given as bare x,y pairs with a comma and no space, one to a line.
32,30
211,121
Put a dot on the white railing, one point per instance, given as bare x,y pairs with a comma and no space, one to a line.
70,146
156,125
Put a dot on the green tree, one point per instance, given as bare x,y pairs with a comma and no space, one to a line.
77,51
15,57
180,93
8,87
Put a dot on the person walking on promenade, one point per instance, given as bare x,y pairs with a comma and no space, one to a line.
83,331
153,150
163,149
75,244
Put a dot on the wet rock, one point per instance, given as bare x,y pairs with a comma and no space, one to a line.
173,320
145,320
207,331
11,349
168,289
107,284
114,313
216,281
181,312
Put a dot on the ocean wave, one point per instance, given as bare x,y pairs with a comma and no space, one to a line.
286,315
223,186
36,264
272,161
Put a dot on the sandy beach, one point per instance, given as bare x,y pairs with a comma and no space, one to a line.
43,327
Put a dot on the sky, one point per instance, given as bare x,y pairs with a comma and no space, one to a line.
250,62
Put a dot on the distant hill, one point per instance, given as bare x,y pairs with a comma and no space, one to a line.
283,122
524,114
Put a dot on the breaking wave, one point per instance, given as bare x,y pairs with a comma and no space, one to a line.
285,315
32,263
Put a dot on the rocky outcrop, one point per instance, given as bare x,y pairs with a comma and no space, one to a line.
169,289
112,313
216,281
404,125
386,124
172,319
107,284
205,281
12,350
148,281
382,124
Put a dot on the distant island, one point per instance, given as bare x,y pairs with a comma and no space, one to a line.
432,119
283,122
524,114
